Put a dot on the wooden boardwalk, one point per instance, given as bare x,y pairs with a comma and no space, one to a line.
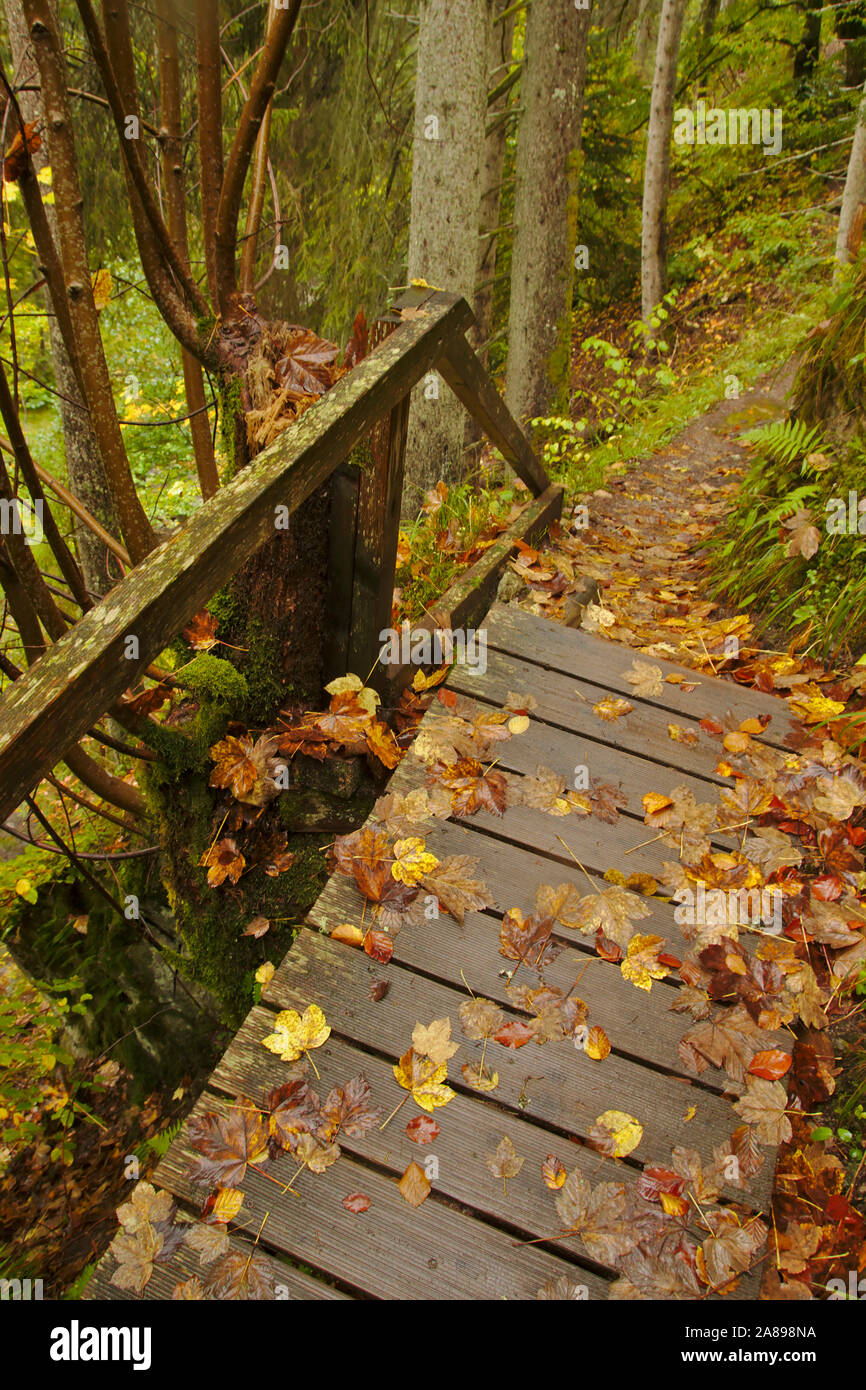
468,1240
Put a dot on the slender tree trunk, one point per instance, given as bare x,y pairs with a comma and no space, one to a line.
854,196
709,15
644,30
450,111
658,159
499,43
83,463
175,197
538,375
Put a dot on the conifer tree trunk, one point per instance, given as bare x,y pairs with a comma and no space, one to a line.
657,172
545,209
450,110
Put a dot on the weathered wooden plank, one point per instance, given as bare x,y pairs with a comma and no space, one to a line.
567,701
291,1283
392,1251
571,1090
48,709
470,1129
473,385
464,604
639,1024
337,617
555,647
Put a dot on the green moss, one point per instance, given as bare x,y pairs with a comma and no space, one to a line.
362,454
211,678
231,412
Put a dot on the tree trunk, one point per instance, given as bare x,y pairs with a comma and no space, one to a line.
450,111
854,197
851,28
658,159
644,31
499,42
809,48
545,210
83,463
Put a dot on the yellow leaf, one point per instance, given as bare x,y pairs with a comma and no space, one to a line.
424,1079
265,972
624,1130
412,861
346,932
518,724
654,801
434,1041
641,965
421,682
227,1205
597,1045
736,742
814,709
296,1033
101,282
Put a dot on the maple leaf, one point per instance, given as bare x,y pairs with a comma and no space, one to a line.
135,1252
527,940
146,1207
612,708
414,1185
731,1248
383,745
480,1018
805,537
505,1163
209,1241
296,1033
365,855
235,769
201,632
454,887
612,911
316,1154
224,861
471,788
412,861
597,1216
237,1275
797,1244
424,1079
615,1133
347,721
641,964
434,1041
515,1033
815,709
563,1290
645,679
226,1144
546,792
308,364
294,1109
764,1106
729,1040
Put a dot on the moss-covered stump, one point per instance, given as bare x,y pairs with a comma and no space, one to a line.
213,953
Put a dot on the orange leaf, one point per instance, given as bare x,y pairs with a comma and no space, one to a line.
771,1064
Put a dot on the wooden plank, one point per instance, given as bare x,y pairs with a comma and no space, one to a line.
47,710
291,1283
638,1024
464,604
474,386
555,647
567,702
571,1090
341,552
392,1251
469,1130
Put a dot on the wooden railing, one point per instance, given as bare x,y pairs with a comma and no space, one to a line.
47,710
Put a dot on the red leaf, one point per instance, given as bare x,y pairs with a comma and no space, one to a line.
379,945
607,949
356,1202
654,1181
448,698
770,1065
857,834
665,958
422,1130
515,1033
828,888
710,726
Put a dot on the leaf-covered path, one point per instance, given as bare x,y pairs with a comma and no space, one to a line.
568,989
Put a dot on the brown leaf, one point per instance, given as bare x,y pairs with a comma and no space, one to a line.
423,1129
414,1185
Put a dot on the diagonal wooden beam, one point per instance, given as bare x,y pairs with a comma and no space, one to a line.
81,675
